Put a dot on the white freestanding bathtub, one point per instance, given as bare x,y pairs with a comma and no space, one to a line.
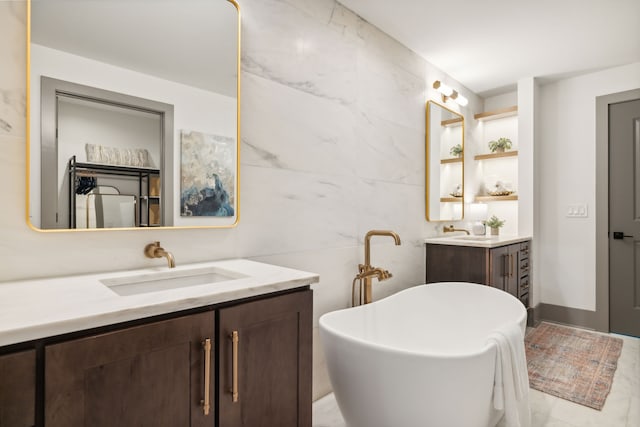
420,357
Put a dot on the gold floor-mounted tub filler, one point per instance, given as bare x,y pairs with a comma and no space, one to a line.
366,272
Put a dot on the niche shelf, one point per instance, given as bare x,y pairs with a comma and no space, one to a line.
513,153
496,198
450,199
497,114
452,160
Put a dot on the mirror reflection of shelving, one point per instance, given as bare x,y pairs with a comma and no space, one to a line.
445,165
450,169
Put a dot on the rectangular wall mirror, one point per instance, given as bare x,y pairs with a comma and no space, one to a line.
444,163
133,110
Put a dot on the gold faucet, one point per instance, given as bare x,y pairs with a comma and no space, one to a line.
366,272
450,229
154,250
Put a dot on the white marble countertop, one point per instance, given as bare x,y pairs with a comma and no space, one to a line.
476,241
42,308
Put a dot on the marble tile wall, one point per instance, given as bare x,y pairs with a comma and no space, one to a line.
332,146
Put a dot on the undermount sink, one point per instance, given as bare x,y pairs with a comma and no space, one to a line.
476,238
154,282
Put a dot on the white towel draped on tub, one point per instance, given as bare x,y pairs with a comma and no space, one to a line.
511,382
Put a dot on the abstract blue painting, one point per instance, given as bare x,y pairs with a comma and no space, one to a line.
207,179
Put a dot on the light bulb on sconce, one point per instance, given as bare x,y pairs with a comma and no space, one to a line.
461,100
449,93
442,88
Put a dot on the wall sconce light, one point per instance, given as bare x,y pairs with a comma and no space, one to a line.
448,93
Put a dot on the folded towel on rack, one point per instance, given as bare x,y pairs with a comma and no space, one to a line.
120,156
511,380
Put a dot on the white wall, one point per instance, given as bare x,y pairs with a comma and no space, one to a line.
567,252
504,100
529,175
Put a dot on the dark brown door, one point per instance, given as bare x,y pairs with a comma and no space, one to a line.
18,389
272,361
151,375
624,217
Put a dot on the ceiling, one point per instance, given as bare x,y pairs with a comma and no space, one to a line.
489,45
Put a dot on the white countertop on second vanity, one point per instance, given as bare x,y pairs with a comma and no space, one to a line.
476,241
36,309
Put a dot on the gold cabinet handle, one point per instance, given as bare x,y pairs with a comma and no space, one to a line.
505,265
234,366
511,265
206,405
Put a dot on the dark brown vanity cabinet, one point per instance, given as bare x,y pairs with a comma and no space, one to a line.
504,267
18,389
265,362
150,375
230,365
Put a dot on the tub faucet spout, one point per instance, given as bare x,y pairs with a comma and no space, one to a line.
367,242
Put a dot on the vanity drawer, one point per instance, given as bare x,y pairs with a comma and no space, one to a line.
524,286
524,250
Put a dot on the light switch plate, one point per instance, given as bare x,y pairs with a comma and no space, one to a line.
577,211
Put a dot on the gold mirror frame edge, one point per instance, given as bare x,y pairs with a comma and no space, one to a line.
427,122
180,227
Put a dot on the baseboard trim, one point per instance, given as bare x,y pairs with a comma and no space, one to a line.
566,315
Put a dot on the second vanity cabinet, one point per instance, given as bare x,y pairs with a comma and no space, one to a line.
504,267
249,360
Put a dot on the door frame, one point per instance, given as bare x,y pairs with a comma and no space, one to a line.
602,203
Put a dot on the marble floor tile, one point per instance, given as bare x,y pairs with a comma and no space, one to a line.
622,408
326,413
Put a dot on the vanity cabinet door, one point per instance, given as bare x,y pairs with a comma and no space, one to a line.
448,263
513,270
18,389
265,357
505,268
499,270
151,375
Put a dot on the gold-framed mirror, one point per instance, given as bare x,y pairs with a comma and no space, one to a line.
133,114
444,163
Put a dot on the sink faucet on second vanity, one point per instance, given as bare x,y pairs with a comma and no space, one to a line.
451,229
154,250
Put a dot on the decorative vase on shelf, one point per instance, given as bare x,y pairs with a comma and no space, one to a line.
494,223
500,146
